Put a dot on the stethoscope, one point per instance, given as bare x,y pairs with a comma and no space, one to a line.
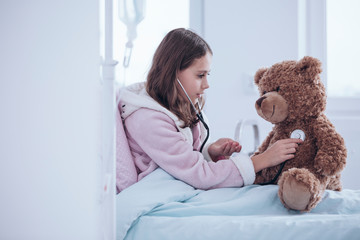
199,116
294,134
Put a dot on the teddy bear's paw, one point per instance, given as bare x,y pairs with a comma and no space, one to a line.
299,189
295,195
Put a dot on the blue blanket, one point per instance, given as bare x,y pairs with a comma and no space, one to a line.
161,207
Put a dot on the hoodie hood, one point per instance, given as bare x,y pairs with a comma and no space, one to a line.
135,96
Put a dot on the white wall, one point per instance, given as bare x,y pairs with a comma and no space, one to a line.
50,105
244,36
247,35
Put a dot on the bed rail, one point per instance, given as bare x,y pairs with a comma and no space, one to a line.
239,131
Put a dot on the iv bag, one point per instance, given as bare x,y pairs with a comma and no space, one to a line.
131,13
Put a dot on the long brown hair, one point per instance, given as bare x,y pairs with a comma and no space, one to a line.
176,52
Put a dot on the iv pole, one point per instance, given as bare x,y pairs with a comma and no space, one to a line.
108,210
108,171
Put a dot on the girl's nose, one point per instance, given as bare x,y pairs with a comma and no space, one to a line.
205,83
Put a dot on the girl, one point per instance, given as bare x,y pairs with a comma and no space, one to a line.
163,127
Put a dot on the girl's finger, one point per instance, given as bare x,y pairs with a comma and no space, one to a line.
237,149
291,150
227,149
289,156
291,145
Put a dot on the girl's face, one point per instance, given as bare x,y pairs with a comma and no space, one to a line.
194,78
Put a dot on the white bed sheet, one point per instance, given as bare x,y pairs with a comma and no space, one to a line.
161,207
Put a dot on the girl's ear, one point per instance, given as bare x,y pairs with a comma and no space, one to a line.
259,74
309,67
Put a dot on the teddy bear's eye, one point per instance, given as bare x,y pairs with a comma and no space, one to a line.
278,89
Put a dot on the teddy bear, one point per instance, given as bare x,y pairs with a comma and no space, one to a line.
293,99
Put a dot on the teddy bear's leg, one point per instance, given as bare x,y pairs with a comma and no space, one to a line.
335,183
299,189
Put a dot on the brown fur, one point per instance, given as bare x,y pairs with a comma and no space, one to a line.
292,96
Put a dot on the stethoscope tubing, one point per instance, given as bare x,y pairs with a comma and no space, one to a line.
199,115
207,130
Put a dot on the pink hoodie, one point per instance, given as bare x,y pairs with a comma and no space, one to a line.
156,139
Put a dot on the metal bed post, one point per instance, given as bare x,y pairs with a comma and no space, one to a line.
239,129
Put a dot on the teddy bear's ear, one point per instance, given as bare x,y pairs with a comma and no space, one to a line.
309,67
259,74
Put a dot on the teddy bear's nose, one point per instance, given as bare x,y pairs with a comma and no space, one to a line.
259,101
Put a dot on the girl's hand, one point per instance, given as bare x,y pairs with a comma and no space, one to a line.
277,153
223,148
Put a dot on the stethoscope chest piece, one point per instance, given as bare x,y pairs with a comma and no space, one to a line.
298,134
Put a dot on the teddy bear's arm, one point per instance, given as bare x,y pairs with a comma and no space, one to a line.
331,155
265,144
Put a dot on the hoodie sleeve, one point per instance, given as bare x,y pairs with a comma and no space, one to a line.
205,152
156,134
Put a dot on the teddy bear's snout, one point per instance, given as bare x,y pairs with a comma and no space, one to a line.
272,107
259,101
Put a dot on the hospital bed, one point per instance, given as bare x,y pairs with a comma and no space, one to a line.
162,207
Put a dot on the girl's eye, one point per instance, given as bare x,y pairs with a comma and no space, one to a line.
264,92
203,75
